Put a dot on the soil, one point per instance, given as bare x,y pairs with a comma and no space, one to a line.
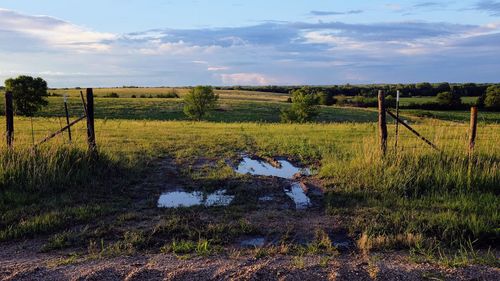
23,260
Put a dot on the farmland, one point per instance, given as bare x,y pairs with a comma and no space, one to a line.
426,203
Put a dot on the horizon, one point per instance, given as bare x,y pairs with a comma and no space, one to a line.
264,43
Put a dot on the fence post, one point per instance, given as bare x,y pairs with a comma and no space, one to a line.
473,130
67,116
397,122
90,122
382,124
9,115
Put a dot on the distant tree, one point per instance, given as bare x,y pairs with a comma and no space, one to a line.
449,99
492,99
443,87
424,89
326,98
199,102
304,107
28,93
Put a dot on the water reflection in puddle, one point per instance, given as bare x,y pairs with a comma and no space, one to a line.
176,199
253,242
262,168
297,194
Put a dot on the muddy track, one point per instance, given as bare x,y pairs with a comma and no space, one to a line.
22,260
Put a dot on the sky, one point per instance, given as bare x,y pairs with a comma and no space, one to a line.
218,42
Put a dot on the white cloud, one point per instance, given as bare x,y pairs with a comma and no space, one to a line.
245,79
54,32
176,48
217,68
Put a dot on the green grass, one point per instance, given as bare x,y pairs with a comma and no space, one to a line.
421,100
456,116
230,110
403,201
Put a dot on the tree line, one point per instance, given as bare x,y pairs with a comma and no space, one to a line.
424,89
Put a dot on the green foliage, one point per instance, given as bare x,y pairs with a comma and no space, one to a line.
449,99
304,107
111,95
492,99
199,102
326,98
29,94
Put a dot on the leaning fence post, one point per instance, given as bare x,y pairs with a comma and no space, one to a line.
9,115
90,122
67,116
382,125
472,144
473,130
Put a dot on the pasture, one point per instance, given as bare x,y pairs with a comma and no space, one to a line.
429,203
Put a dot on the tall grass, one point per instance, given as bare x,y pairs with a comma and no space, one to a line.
46,189
428,195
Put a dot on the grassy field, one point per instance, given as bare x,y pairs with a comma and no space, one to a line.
419,199
420,100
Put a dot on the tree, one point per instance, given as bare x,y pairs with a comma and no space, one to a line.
199,102
304,107
492,99
443,87
326,98
449,99
28,94
424,89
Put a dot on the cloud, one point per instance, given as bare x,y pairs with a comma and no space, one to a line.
492,7
217,68
266,53
54,32
245,79
333,13
430,4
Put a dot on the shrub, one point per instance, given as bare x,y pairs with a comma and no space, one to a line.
304,107
449,99
111,95
492,99
171,95
326,98
199,102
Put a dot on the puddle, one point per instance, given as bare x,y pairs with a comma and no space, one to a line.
176,199
297,194
266,199
262,168
253,242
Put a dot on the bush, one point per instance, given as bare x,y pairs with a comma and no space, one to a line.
199,102
171,95
326,98
492,99
304,107
449,99
28,94
134,96
111,95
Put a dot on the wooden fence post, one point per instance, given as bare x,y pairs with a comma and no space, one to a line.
90,122
67,116
382,124
473,130
9,115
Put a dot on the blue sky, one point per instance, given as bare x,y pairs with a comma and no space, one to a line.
154,43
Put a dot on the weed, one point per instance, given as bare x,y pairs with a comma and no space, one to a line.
298,262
